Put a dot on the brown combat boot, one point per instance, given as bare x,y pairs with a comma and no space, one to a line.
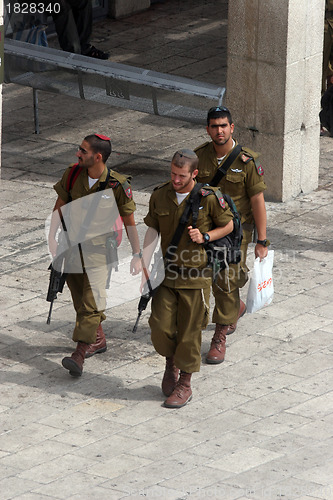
74,363
170,377
241,312
99,346
217,347
182,393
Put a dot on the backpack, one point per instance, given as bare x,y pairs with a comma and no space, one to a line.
71,179
226,250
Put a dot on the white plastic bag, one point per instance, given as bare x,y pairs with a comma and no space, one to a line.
261,288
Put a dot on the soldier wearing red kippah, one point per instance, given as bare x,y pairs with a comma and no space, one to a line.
87,285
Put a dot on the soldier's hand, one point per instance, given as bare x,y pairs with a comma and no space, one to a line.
136,265
260,251
195,235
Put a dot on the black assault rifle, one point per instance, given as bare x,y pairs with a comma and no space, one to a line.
56,284
57,278
145,297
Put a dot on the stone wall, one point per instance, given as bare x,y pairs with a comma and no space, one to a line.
274,87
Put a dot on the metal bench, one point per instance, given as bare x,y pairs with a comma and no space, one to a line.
119,85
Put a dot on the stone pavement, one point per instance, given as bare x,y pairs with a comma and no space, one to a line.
259,425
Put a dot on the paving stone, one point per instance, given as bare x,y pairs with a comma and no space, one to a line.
321,475
316,407
310,365
19,439
13,486
226,421
287,442
75,483
264,384
243,460
267,405
319,429
259,425
316,385
277,424
170,468
293,488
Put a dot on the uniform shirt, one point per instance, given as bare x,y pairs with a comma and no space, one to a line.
164,216
120,185
244,178
104,209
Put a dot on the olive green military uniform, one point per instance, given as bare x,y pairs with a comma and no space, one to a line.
328,43
88,287
243,180
180,306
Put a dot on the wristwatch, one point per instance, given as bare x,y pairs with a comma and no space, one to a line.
206,237
264,243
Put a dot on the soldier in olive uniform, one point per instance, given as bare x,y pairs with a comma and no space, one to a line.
88,287
244,182
328,44
180,306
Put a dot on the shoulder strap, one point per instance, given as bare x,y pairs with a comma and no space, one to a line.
103,185
222,170
183,221
72,176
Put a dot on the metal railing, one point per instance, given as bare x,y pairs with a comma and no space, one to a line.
119,85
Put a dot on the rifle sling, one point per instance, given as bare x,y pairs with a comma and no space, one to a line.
183,221
222,170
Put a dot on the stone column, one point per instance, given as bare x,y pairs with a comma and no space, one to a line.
2,36
274,88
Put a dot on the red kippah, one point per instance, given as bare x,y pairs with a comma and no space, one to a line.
103,137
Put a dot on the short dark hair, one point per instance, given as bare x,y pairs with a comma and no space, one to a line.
219,112
185,157
100,144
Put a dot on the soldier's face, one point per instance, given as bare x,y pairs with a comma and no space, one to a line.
85,155
220,130
182,179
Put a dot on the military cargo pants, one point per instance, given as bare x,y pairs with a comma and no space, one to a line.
226,290
89,300
177,319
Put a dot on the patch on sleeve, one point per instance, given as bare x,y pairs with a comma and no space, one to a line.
221,201
129,193
260,170
113,184
220,198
